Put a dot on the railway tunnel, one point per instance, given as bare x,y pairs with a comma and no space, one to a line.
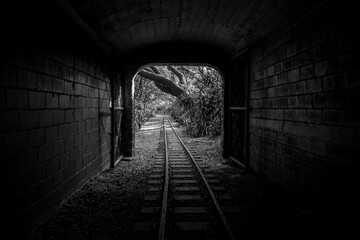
291,80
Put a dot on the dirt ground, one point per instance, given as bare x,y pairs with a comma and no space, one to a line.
107,206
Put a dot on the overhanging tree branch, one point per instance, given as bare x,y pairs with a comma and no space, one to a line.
163,83
177,73
155,69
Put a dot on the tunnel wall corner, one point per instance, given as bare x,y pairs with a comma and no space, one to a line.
129,113
304,122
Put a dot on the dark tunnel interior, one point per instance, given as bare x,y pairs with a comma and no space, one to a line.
290,114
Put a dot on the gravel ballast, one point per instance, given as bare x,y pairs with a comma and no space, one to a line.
108,206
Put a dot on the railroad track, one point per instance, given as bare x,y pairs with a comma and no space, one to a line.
185,200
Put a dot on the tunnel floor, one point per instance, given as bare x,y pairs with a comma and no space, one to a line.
108,206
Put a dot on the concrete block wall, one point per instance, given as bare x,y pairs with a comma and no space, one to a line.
304,122
55,119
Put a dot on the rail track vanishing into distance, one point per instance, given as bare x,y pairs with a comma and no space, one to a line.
185,200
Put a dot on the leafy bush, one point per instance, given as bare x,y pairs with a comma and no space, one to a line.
141,115
148,99
201,111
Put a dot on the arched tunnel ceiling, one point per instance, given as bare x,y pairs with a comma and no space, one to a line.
226,24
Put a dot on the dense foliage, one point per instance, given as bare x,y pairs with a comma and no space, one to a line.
201,110
148,100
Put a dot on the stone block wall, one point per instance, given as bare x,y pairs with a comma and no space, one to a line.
55,120
304,90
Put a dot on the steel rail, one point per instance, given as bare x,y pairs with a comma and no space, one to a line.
162,225
216,203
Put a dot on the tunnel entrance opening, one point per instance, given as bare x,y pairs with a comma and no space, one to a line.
191,94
